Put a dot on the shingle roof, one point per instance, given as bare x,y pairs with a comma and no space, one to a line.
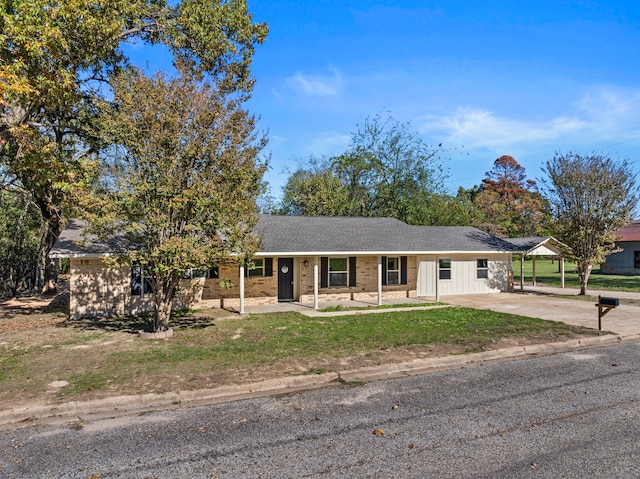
72,243
293,235
338,234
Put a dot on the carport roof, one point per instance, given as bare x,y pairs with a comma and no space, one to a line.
532,245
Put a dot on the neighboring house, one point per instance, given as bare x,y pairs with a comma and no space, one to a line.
535,246
305,259
626,261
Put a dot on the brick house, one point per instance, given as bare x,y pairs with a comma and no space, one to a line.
305,259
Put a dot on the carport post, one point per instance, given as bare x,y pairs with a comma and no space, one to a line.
533,266
241,289
562,271
522,272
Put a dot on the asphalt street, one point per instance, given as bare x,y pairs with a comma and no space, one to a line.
570,415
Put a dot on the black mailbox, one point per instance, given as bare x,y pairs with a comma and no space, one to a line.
609,301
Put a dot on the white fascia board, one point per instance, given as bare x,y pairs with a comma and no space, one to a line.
374,253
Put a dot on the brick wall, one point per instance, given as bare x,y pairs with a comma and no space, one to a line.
97,290
254,287
366,282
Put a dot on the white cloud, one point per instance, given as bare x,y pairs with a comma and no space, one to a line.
329,143
317,85
602,115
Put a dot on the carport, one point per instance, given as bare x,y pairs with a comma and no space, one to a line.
539,246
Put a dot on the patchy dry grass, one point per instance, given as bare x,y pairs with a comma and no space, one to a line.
100,358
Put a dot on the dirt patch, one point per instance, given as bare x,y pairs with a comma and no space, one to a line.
78,352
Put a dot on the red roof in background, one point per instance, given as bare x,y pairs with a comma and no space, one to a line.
630,232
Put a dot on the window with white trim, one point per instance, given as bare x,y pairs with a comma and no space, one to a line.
338,271
444,268
482,268
393,270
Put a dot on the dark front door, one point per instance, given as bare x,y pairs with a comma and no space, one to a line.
285,279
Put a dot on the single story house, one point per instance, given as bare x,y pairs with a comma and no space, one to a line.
305,259
626,261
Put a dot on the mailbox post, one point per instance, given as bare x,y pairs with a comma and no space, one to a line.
605,305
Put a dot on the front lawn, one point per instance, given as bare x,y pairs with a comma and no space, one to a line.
97,359
547,274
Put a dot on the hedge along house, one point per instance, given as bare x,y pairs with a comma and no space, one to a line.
304,259
627,260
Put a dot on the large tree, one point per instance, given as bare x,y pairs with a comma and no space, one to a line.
591,196
314,190
508,203
55,59
389,170
180,180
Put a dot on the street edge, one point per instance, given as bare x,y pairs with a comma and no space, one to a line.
131,404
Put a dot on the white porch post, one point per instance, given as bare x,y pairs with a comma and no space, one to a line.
241,289
437,278
562,271
533,265
315,282
379,280
522,272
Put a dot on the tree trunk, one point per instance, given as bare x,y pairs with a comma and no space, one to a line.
584,270
164,291
47,273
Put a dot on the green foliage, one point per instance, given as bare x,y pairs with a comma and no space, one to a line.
591,196
389,171
20,229
386,171
508,204
181,178
314,190
55,60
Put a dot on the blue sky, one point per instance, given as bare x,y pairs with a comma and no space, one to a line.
484,78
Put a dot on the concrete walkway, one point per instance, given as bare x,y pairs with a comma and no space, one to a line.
540,302
346,307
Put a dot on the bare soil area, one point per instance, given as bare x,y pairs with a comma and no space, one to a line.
40,325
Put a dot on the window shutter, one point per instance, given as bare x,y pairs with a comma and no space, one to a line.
352,270
324,271
384,270
268,266
213,273
403,270
246,271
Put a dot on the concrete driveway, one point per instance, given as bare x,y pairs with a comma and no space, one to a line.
540,303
